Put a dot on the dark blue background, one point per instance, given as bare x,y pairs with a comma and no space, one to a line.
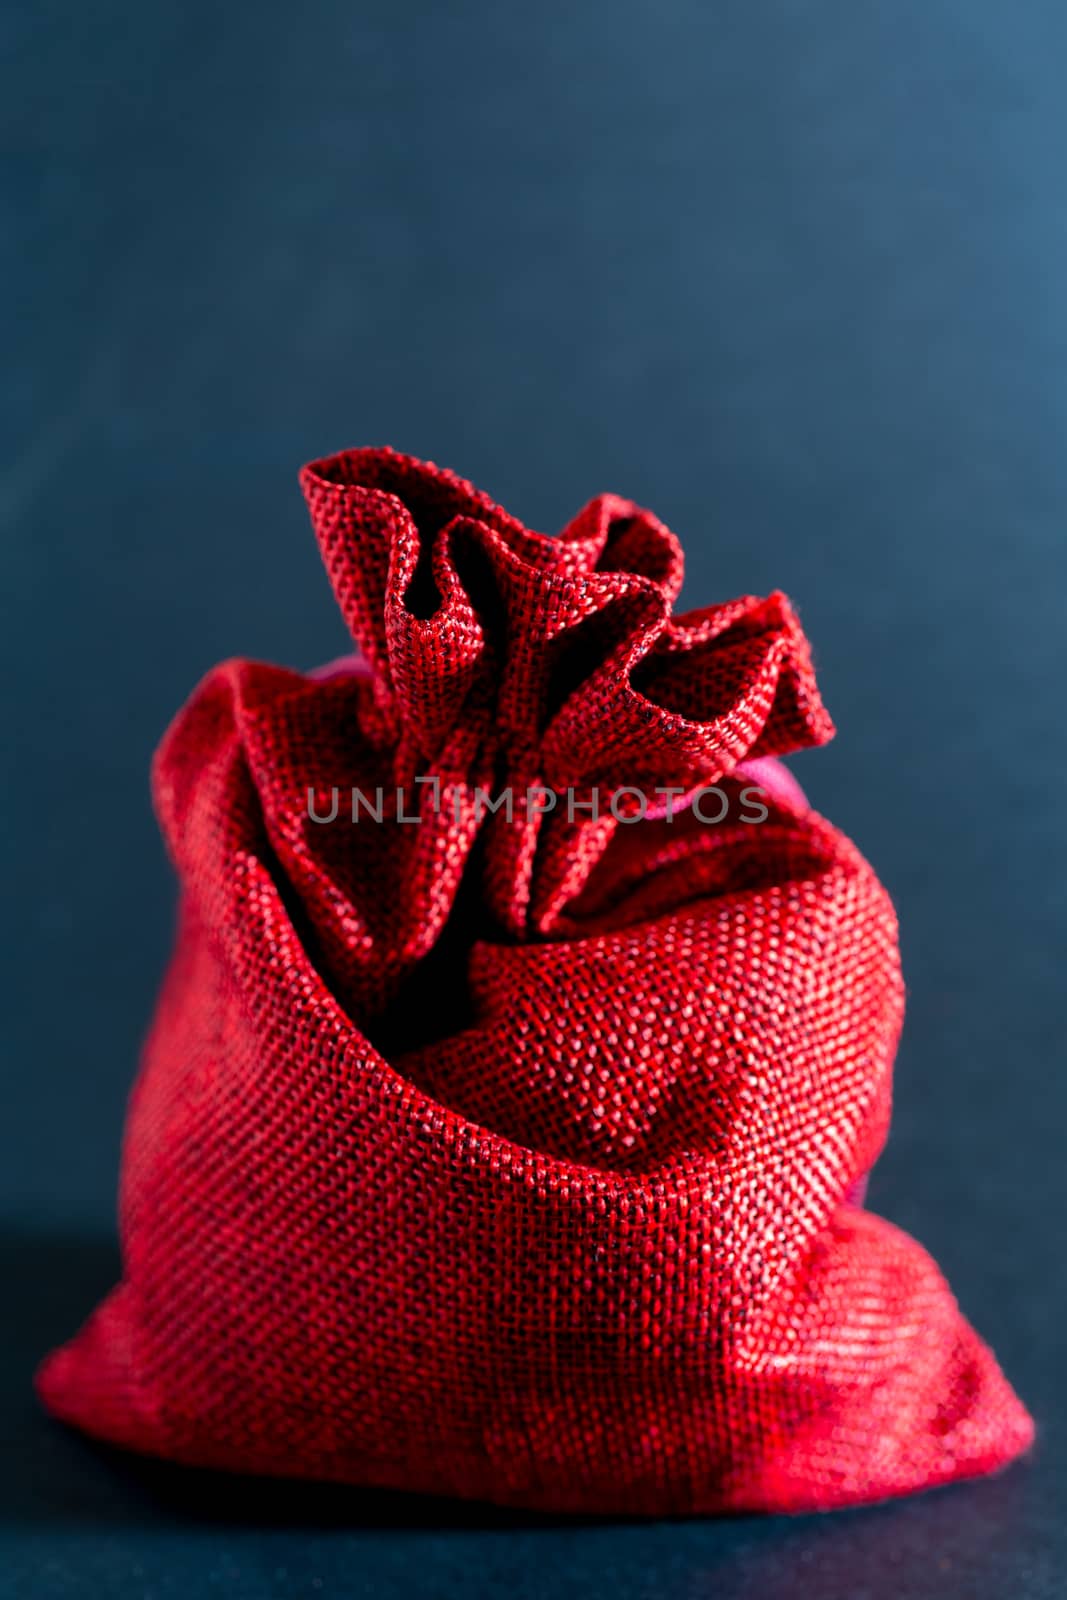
792,272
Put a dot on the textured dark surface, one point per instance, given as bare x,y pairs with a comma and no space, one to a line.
811,253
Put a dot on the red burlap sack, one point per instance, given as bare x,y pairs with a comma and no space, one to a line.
517,1156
